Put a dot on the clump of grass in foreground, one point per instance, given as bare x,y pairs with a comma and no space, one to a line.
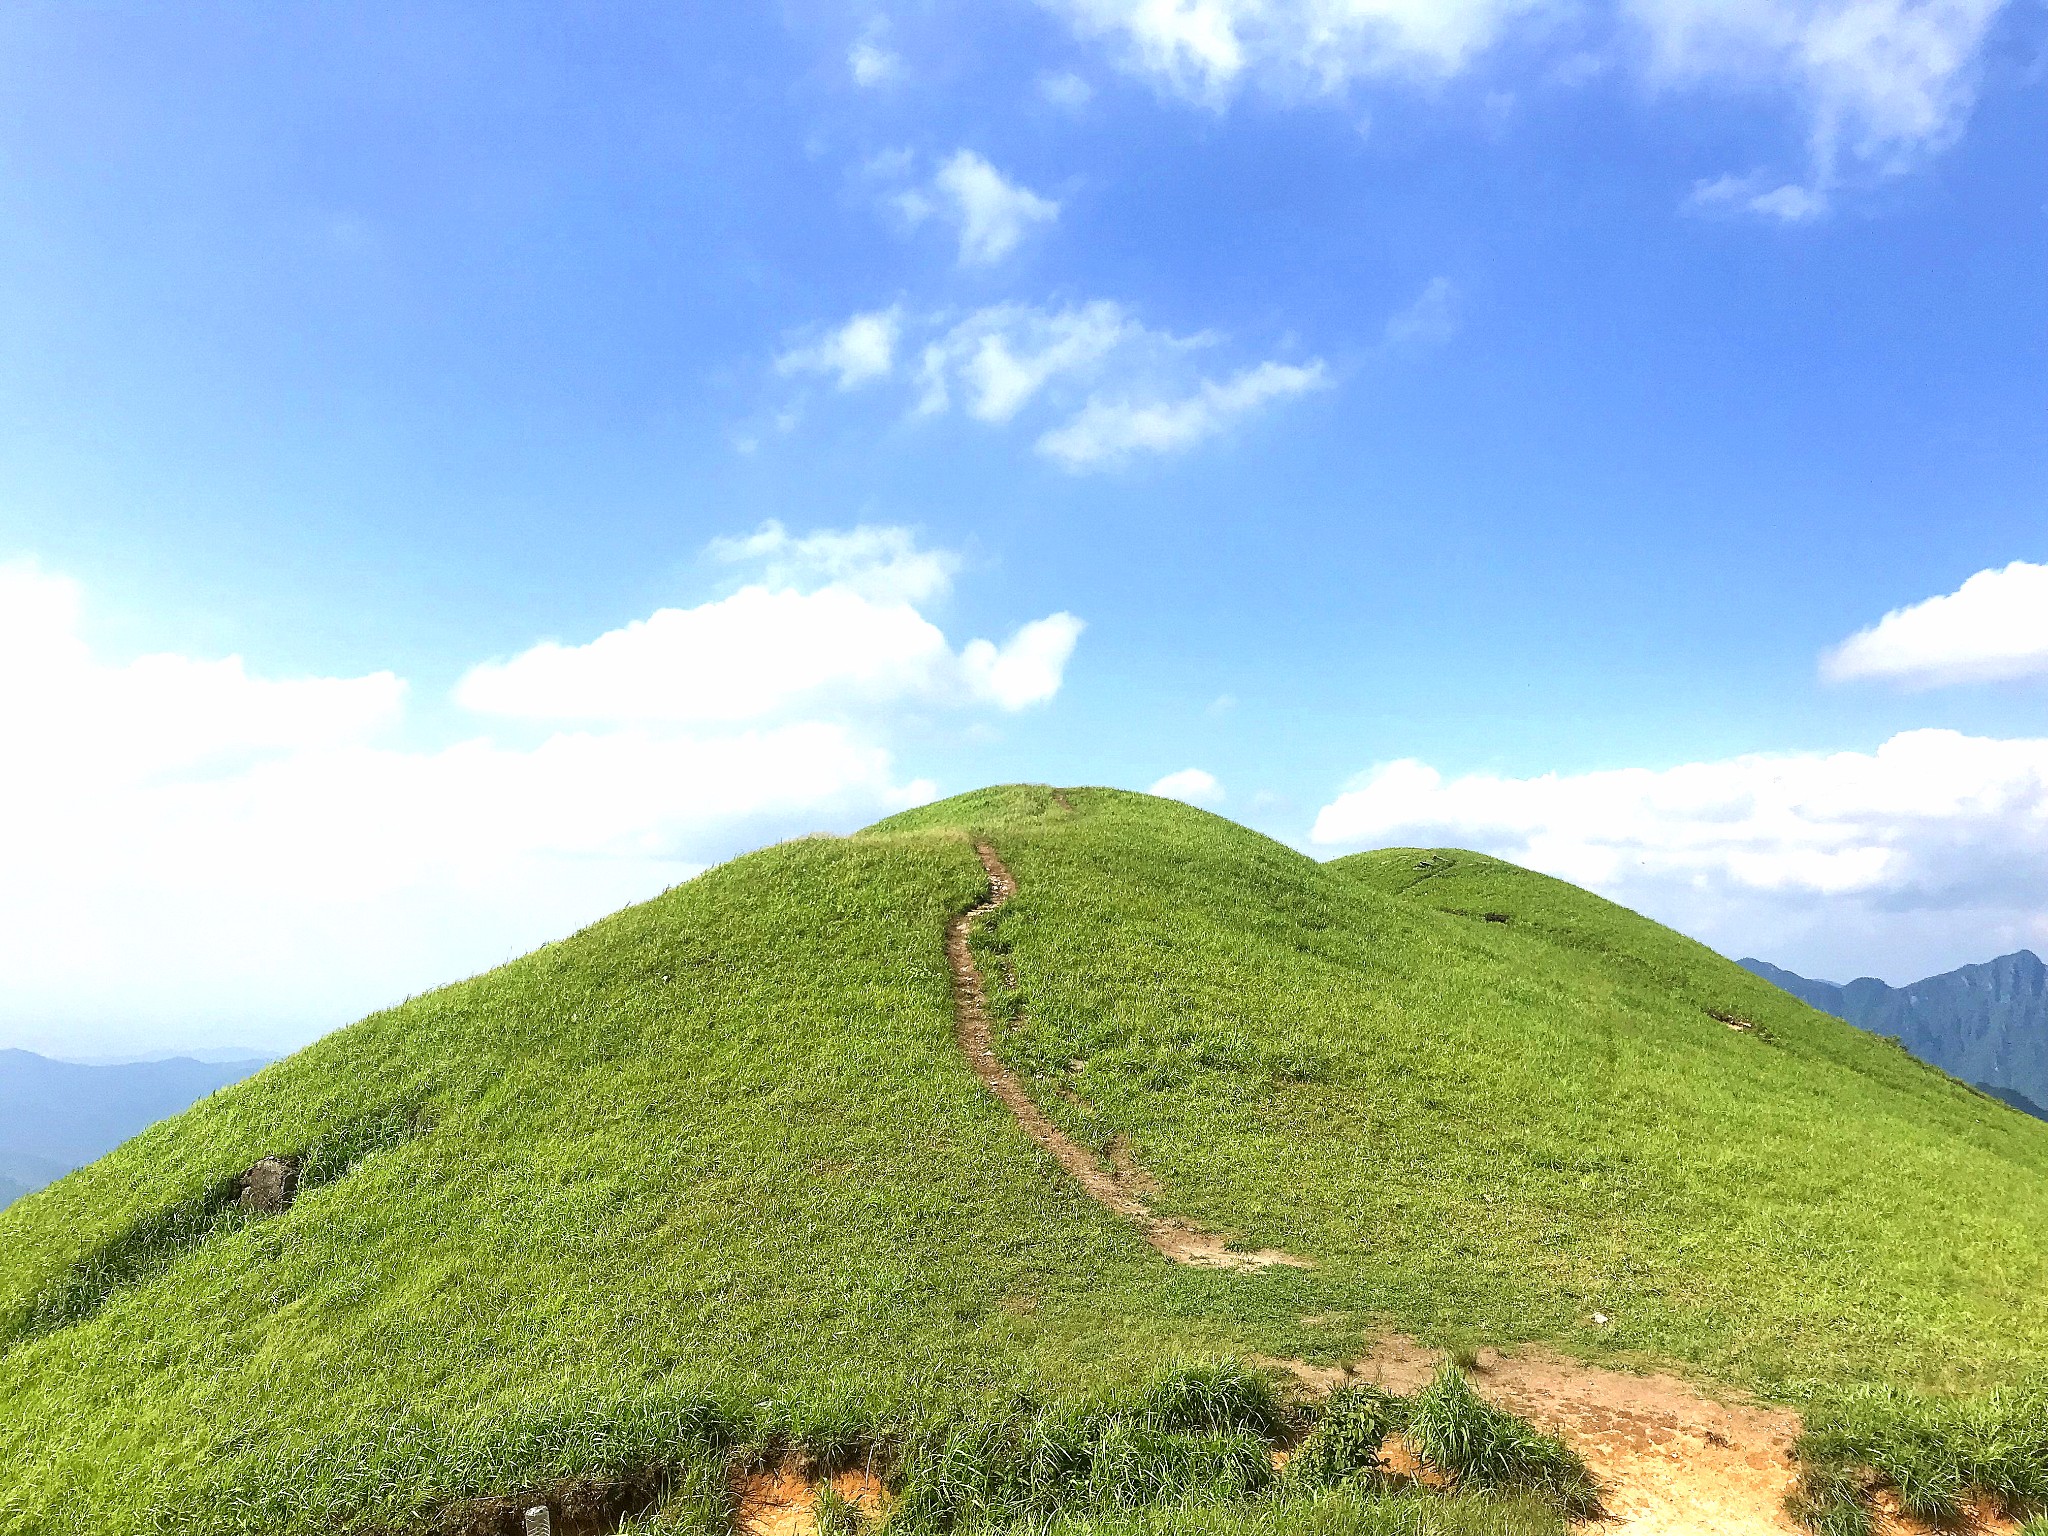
1201,1432
1487,1449
699,1502
1346,1440
1197,1440
1325,1512
837,1515
1936,1455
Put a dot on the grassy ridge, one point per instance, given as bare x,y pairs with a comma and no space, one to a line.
716,1161
1504,1128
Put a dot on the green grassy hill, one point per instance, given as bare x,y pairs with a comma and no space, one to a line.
714,1172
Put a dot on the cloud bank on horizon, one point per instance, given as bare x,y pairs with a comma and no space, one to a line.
1934,838
244,858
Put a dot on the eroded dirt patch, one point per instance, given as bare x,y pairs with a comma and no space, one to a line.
1121,1186
1670,1460
784,1502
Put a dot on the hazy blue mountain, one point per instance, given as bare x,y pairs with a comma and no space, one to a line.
1987,1024
58,1115
2017,1100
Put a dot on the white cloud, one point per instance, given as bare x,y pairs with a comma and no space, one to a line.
1844,859
879,562
1788,202
1108,432
72,720
992,213
766,653
859,352
871,63
199,855
1202,48
1116,386
1028,668
1004,355
1197,786
1878,84
1992,628
1882,81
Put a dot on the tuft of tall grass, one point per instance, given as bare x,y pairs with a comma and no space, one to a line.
1488,1449
834,1514
1831,1501
1935,1454
698,1501
1201,1431
1347,1437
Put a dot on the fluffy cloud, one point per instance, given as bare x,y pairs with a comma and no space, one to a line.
992,213
1882,82
1117,387
1197,786
765,654
1917,855
199,855
1879,84
156,716
861,350
1992,628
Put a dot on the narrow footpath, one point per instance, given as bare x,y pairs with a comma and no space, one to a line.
1115,1187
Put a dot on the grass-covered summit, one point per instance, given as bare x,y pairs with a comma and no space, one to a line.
716,1166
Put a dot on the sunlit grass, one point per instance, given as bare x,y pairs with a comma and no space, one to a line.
712,1173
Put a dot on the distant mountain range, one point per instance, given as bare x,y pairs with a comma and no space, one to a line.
1987,1024
60,1115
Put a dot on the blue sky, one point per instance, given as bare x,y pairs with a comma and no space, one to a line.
1481,422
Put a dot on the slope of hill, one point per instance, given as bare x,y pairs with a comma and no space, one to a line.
1987,1024
716,1171
57,1115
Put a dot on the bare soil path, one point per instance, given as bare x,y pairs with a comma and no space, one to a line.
1670,1460
1116,1187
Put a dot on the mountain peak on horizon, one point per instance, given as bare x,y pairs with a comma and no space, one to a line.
1986,1023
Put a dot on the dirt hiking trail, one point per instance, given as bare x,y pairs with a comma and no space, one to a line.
1117,1187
